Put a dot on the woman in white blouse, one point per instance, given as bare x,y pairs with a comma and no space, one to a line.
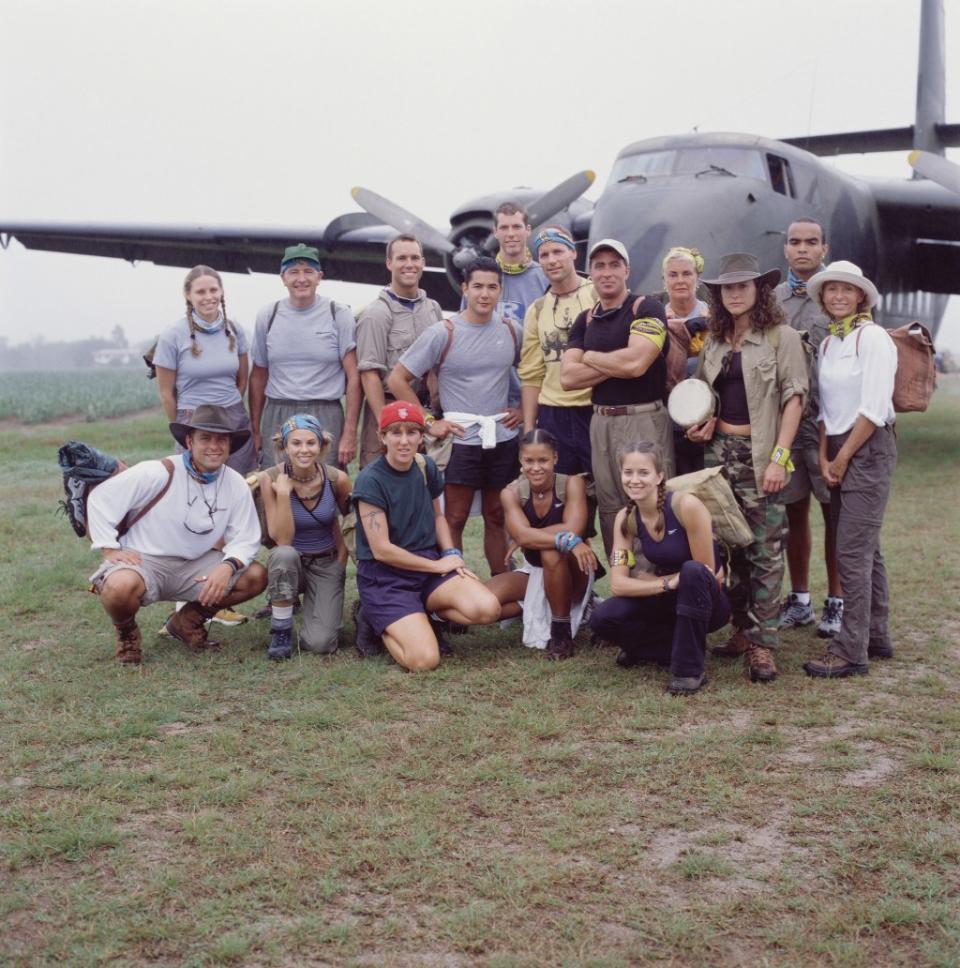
857,364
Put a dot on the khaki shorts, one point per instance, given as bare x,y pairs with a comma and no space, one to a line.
806,478
167,579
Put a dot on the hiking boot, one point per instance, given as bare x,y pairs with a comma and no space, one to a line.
439,626
833,667
796,613
367,642
129,641
189,626
559,649
737,644
832,618
880,651
227,616
760,664
686,685
280,646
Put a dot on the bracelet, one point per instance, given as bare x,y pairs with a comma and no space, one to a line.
429,419
566,541
666,584
233,563
451,552
781,456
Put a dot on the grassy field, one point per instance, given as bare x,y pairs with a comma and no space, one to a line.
85,394
503,811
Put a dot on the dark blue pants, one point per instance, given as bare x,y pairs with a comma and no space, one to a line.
571,427
671,628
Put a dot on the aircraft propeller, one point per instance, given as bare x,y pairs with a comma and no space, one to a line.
465,251
937,168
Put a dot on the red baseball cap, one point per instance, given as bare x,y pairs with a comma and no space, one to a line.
399,411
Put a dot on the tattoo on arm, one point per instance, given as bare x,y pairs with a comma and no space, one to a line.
372,520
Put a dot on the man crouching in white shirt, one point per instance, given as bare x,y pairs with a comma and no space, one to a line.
184,528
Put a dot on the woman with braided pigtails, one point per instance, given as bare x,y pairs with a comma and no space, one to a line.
662,617
202,359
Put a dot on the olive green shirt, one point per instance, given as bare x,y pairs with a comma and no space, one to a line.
774,370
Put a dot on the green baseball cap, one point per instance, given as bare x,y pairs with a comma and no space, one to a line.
299,252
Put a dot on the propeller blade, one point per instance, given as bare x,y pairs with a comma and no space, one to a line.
937,169
547,205
403,221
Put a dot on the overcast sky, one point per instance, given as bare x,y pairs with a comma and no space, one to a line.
253,113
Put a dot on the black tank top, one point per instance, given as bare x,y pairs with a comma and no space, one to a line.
554,515
668,554
732,392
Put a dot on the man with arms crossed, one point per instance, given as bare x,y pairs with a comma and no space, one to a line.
619,348
196,542
546,326
386,329
474,354
806,250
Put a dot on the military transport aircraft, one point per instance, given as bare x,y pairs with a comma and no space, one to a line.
719,192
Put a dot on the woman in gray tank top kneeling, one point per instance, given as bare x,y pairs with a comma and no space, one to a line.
301,498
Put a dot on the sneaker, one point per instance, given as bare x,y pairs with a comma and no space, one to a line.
833,667
559,649
440,626
832,618
686,685
367,643
737,644
227,616
760,664
796,613
280,646
880,651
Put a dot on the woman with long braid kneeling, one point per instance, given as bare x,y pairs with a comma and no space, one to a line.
662,617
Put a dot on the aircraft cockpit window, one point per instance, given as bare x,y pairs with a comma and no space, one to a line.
641,167
781,178
720,162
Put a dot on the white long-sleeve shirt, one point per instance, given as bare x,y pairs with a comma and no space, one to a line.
856,377
163,531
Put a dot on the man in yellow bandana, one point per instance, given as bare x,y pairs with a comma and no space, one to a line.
523,279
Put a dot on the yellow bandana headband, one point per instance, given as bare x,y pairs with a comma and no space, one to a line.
680,252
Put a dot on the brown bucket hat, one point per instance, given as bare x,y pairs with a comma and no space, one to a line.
741,267
214,419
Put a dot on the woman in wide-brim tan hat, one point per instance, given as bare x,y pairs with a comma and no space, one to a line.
757,367
857,364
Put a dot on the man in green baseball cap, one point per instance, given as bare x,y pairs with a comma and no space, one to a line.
304,360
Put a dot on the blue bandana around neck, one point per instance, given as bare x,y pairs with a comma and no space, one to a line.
201,323
798,286
205,477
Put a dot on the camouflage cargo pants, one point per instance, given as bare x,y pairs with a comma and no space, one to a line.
756,572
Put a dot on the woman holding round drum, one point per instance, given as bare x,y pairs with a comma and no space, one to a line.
757,367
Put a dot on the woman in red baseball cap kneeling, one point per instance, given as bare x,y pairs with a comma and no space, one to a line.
407,567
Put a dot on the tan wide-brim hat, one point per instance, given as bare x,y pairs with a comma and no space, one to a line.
843,272
742,267
214,419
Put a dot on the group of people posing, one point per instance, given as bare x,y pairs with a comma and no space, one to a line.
541,403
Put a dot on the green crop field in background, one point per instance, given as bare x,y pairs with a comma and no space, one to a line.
502,811
36,397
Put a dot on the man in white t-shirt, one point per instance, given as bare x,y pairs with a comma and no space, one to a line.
184,528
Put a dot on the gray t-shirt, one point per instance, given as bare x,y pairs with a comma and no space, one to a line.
475,376
208,378
304,350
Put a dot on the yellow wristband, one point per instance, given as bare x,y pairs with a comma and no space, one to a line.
429,419
781,456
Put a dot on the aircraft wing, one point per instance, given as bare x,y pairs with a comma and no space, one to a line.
351,247
867,142
929,215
